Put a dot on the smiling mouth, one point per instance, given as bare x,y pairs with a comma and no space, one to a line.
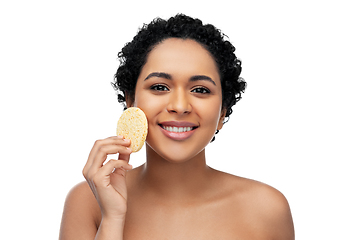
177,129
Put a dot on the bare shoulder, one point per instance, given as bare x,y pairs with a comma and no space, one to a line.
262,205
81,215
265,196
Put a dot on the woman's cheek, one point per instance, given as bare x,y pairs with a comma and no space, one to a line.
151,104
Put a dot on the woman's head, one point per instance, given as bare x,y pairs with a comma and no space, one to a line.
179,90
134,55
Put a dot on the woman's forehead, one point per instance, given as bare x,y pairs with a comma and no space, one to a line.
178,55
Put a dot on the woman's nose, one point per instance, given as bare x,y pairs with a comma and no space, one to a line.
179,103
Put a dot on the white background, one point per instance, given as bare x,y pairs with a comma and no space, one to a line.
296,128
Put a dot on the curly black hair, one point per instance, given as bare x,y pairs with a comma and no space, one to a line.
133,56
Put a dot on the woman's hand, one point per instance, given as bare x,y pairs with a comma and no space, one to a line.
107,181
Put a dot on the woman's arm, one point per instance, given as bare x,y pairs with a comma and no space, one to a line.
97,210
111,229
81,215
274,214
82,218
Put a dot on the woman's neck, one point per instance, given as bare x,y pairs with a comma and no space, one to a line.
178,180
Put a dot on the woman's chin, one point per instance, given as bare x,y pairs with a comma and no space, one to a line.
174,154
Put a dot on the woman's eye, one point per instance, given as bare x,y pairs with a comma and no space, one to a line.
159,87
201,90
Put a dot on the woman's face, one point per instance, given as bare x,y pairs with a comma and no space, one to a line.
179,90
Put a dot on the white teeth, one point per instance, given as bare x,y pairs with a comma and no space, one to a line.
177,129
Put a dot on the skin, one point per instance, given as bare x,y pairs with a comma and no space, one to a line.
174,195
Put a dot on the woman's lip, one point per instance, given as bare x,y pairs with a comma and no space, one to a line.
178,124
178,136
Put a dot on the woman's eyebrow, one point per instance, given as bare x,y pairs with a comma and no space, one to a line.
159,75
169,77
202,78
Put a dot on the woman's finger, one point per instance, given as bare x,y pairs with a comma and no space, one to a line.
102,177
117,140
102,153
125,157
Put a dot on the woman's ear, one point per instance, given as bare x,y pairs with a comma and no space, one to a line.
129,99
221,119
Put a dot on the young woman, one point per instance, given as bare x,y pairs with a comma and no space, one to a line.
185,76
